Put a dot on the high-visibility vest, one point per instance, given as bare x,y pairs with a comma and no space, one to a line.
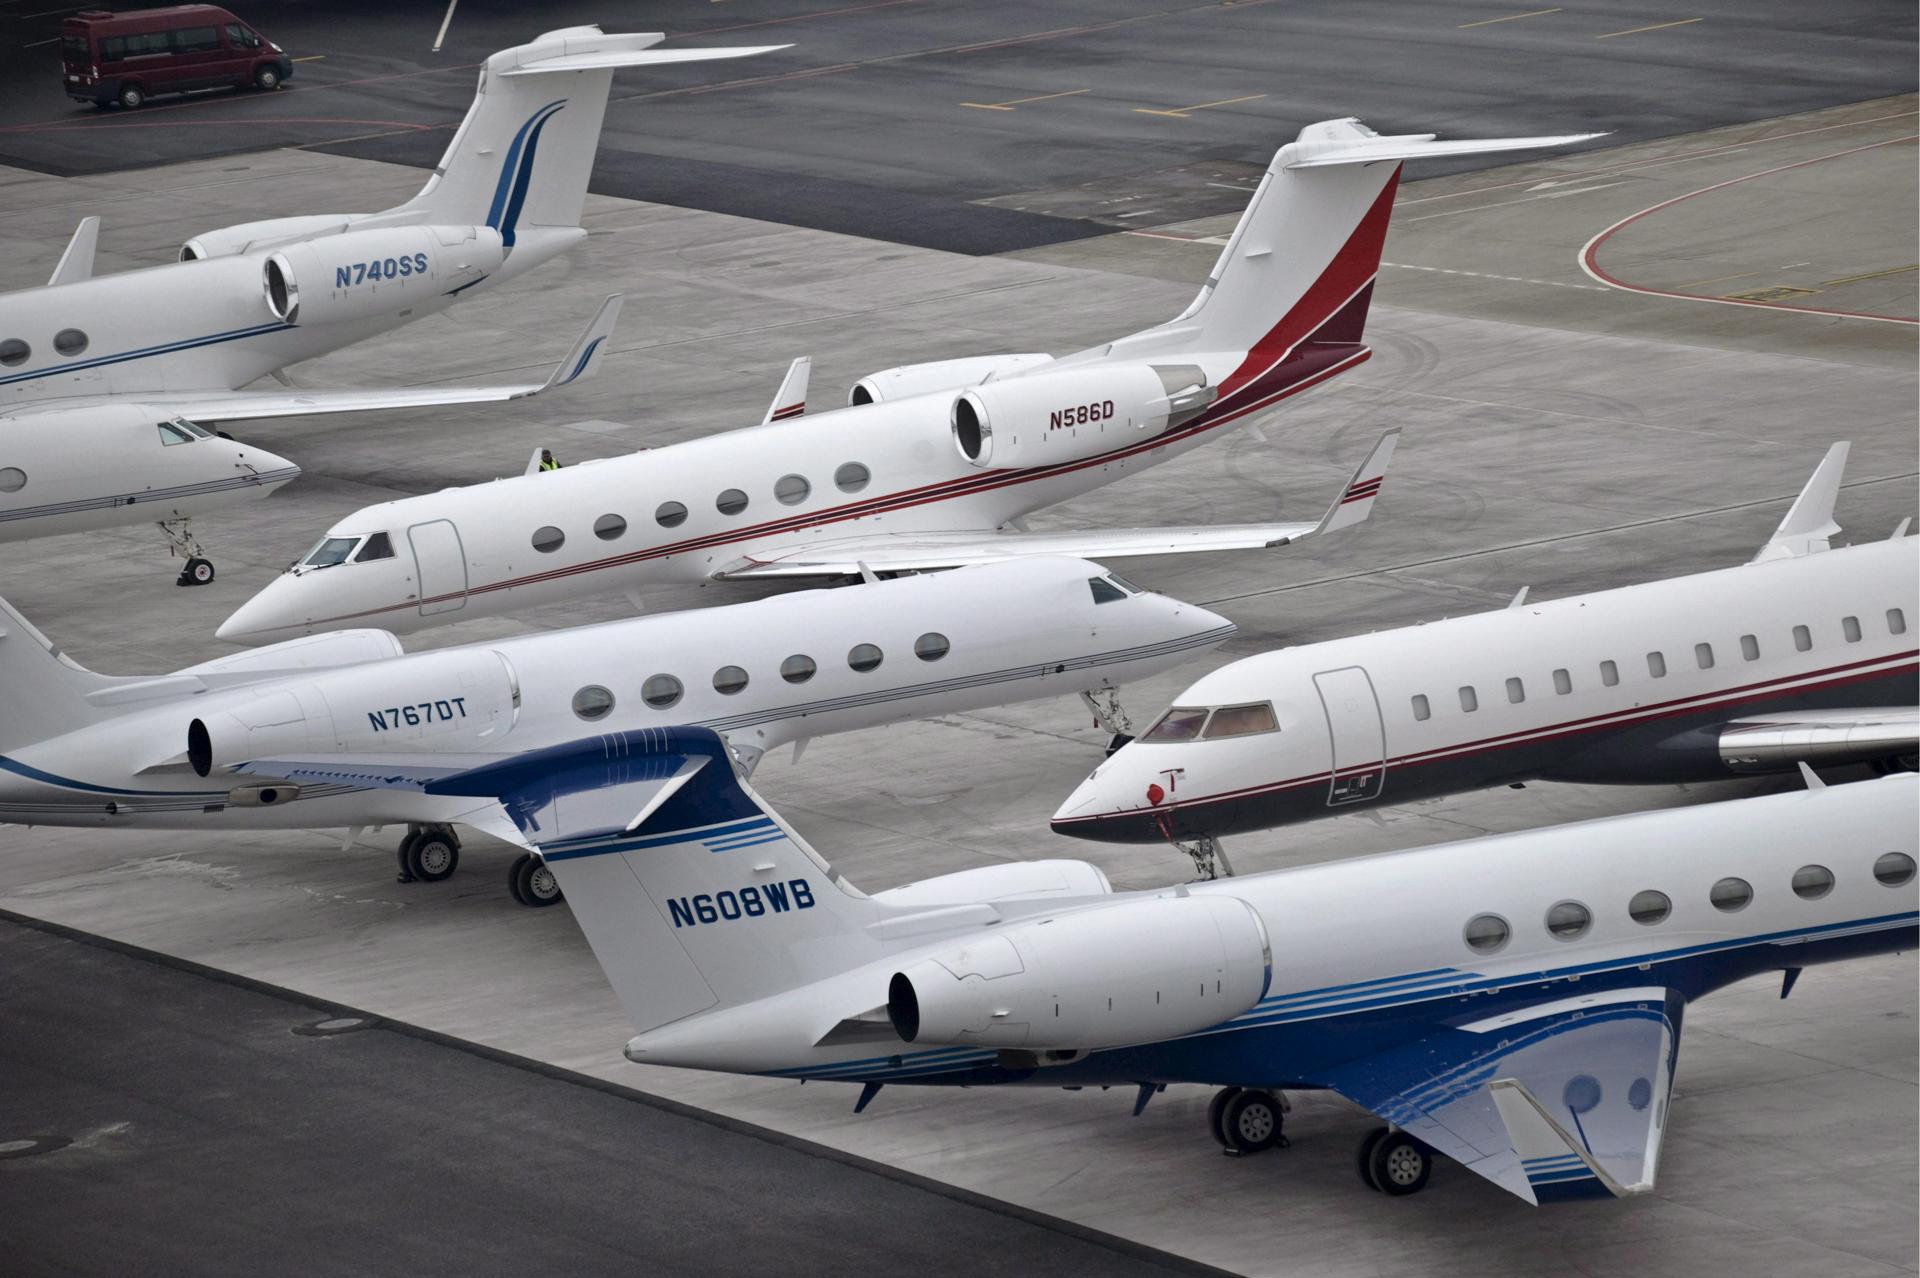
550,464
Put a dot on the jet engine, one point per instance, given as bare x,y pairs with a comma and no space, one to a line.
1072,414
1115,975
364,273
1013,881
231,241
309,652
943,374
460,699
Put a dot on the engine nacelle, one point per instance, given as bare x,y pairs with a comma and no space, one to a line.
1014,881
942,374
1110,976
1074,413
365,273
231,241
460,699
309,652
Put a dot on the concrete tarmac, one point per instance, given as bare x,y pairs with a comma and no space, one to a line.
1562,433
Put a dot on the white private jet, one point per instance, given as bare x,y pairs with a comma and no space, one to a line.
182,750
1513,1002
935,465
1804,655
107,382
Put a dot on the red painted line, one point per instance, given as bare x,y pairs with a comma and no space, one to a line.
1590,264
1725,698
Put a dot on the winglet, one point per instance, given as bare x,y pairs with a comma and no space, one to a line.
590,49
1355,501
1809,524
588,349
1557,1166
791,399
76,263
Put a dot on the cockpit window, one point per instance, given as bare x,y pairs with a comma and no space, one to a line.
176,432
330,551
1182,723
1241,721
1105,591
1124,584
378,546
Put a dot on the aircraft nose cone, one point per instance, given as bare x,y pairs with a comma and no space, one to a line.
263,617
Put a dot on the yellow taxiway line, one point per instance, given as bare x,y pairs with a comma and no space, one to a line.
1019,102
1658,26
1511,17
1180,113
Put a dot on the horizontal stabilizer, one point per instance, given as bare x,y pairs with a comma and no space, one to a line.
1809,526
593,52
1336,142
581,362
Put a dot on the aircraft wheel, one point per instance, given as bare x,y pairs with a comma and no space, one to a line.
404,855
198,572
1373,1138
130,96
513,878
1216,1112
1399,1165
1251,1121
534,883
433,855
266,78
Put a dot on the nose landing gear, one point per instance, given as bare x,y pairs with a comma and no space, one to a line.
1209,856
1108,716
198,570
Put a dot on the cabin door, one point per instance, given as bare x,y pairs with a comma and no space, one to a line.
440,565
1359,740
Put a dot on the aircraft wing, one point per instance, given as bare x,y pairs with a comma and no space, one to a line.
1552,1102
1840,735
548,796
916,552
582,361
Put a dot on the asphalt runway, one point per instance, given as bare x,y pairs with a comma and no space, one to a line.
990,127
200,1126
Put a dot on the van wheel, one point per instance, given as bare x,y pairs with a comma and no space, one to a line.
267,78
130,96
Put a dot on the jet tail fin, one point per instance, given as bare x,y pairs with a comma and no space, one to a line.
692,892
43,690
1809,526
1299,267
523,155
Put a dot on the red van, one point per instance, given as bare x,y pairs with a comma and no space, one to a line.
126,58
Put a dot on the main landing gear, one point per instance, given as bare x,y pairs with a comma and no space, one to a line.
1246,1120
1107,714
532,883
199,569
429,854
1394,1163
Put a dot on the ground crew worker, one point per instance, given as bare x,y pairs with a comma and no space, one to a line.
548,461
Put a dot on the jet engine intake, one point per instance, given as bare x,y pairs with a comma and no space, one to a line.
938,375
457,700
360,274
1073,414
1108,976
